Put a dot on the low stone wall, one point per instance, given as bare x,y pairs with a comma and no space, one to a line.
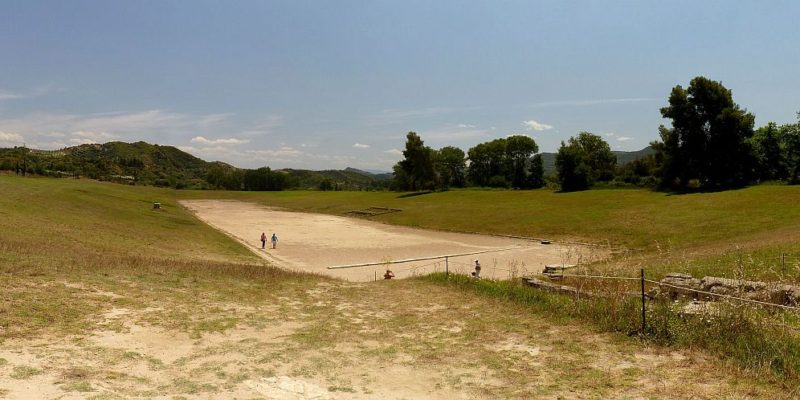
676,285
552,287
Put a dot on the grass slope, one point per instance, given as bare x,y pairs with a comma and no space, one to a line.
630,217
63,216
73,254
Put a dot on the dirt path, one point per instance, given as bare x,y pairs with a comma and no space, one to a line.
315,242
317,339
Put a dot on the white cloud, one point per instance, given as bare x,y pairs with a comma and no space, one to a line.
360,146
623,138
7,137
88,137
10,96
116,123
249,158
394,151
155,126
282,153
80,141
229,141
29,93
395,116
49,145
92,135
147,120
447,135
263,126
533,125
466,126
610,134
592,102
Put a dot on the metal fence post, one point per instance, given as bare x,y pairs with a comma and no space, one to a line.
644,320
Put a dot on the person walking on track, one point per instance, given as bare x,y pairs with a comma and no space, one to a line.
263,240
274,240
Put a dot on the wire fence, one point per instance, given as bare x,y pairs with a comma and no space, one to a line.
681,288
724,296
644,296
452,266
615,288
445,264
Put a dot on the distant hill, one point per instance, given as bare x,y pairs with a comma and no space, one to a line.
152,164
378,175
623,157
347,179
138,162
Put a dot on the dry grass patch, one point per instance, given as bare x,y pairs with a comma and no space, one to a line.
95,313
226,338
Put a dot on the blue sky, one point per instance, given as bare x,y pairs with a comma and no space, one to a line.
331,84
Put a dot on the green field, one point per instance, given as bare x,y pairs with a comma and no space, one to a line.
705,233
72,251
630,217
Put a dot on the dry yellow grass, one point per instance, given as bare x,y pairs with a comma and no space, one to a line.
102,298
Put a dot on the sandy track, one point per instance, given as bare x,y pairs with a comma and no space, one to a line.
314,242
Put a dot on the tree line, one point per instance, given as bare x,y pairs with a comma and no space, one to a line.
505,162
711,145
511,162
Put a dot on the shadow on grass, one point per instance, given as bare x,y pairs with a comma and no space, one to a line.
414,194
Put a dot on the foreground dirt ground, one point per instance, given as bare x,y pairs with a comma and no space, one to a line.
324,339
313,242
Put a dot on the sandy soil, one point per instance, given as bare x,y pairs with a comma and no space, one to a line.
316,242
339,340
315,338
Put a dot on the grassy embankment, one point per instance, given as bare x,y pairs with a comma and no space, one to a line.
736,234
58,237
66,230
702,234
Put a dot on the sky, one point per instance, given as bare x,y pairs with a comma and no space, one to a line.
335,84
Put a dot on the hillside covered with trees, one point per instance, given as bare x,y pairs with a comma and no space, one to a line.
142,163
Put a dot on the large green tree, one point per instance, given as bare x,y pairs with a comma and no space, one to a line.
450,166
572,168
584,160
769,155
790,146
519,151
709,139
506,162
416,170
598,156
487,163
264,178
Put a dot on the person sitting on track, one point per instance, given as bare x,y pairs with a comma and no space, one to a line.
388,275
477,273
